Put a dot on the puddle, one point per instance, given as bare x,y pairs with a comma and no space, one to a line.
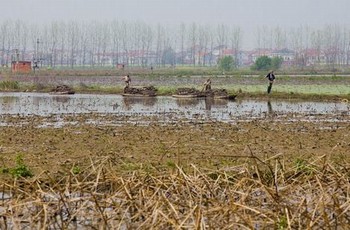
169,108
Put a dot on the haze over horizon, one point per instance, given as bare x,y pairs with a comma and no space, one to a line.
247,14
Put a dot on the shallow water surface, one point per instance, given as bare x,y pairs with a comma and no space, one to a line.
41,104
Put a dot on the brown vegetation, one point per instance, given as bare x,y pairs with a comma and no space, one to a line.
259,174
145,91
62,89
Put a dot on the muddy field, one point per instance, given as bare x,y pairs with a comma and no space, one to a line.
206,144
89,161
129,171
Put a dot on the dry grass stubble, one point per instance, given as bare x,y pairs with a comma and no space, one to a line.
259,174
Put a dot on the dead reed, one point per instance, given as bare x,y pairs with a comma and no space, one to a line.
259,193
249,175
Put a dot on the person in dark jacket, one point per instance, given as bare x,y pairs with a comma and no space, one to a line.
271,77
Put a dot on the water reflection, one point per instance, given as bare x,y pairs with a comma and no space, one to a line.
128,102
7,99
269,108
61,99
210,103
185,102
43,104
6,102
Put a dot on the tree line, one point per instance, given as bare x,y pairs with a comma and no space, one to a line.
97,43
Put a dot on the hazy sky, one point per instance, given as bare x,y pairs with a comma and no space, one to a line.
238,12
248,14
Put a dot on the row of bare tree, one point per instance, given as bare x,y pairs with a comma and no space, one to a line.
137,43
327,45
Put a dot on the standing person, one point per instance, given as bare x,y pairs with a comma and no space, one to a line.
127,81
271,77
207,85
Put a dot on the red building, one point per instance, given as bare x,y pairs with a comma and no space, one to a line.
21,66
120,66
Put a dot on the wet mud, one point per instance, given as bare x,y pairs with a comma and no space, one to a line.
118,163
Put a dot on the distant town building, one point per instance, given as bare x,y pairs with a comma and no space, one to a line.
120,66
21,66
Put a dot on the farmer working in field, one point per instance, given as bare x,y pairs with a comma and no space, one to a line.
207,85
271,77
127,81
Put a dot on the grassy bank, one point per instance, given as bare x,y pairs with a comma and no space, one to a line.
303,92
321,87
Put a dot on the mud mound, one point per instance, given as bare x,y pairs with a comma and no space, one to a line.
216,92
147,91
62,89
187,91
183,92
219,94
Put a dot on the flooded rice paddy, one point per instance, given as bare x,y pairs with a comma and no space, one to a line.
242,164
166,108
